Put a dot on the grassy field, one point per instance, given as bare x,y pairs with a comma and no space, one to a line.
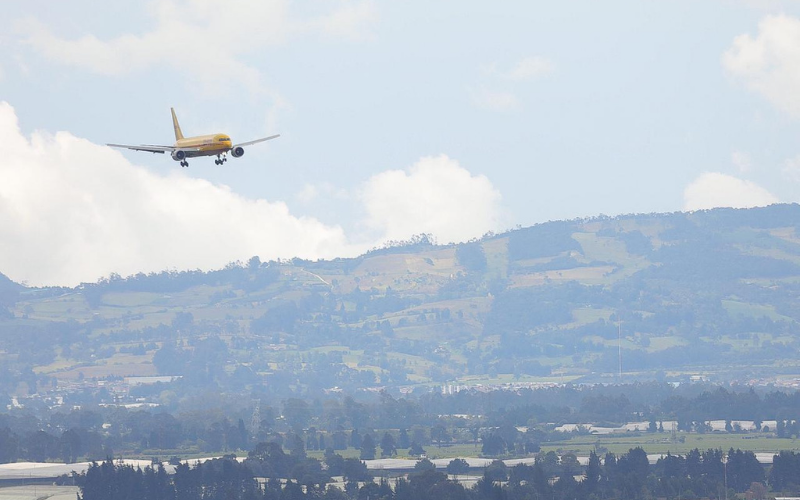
607,249
618,444
735,308
661,343
662,443
586,315
586,275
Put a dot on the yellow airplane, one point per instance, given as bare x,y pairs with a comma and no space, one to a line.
202,145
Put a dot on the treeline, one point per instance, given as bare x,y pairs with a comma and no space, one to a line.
342,422
617,404
268,473
248,277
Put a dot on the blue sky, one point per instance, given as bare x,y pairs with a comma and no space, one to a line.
451,117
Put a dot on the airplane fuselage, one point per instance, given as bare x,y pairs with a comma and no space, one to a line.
205,145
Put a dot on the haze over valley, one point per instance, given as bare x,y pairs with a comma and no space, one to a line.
461,250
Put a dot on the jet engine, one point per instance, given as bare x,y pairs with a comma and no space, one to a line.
237,151
178,155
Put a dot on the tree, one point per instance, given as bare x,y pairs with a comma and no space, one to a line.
532,447
170,359
634,463
367,448
241,435
183,321
355,439
297,413
457,466
784,470
593,470
70,445
496,471
40,446
757,491
743,469
297,448
493,445
416,449
356,470
439,434
292,491
335,463
423,465
404,441
267,451
8,446
471,256
339,439
570,465
253,264
388,448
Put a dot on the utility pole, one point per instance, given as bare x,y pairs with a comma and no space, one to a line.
725,473
619,344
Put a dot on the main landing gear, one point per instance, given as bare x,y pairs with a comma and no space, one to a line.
220,160
184,163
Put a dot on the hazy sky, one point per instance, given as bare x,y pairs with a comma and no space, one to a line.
396,118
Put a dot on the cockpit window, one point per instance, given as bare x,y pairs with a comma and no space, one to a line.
223,139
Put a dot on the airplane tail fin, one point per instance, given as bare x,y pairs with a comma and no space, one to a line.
176,126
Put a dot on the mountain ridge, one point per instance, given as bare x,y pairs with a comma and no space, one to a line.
710,294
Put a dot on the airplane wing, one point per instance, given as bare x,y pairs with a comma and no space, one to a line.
151,148
145,147
248,143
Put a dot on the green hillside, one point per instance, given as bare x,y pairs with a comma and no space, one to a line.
711,294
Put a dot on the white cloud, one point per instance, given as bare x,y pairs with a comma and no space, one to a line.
714,189
769,63
309,193
312,192
741,161
768,5
22,66
791,169
491,100
351,21
195,35
526,69
73,211
530,68
435,195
